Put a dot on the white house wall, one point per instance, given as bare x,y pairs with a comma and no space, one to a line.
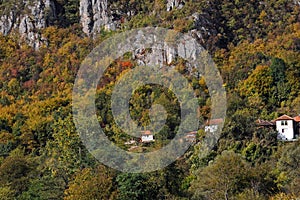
286,131
211,128
147,138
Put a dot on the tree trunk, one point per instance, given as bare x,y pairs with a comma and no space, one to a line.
226,195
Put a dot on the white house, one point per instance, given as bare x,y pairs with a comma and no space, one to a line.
147,136
211,126
286,127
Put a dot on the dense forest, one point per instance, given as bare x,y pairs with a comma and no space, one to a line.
256,47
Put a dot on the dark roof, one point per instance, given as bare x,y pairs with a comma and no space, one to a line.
264,123
284,117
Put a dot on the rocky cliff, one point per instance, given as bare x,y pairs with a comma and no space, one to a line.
94,16
28,18
172,4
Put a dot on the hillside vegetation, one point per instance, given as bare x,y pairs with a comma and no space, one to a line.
256,46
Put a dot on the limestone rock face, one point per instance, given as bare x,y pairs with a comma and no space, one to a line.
164,56
172,4
27,18
94,16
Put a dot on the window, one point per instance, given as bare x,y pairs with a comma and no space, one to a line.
284,123
282,131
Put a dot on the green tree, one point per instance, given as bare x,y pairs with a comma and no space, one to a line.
91,184
260,82
278,69
222,178
249,194
281,85
43,187
69,15
65,154
6,193
15,173
289,165
135,187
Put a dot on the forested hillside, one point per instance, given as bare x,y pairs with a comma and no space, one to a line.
255,45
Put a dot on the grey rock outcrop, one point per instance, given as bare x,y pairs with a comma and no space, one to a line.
164,56
95,16
27,18
174,4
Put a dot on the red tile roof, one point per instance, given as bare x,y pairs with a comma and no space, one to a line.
284,117
214,121
146,132
297,119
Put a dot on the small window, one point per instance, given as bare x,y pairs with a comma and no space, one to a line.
282,131
284,123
